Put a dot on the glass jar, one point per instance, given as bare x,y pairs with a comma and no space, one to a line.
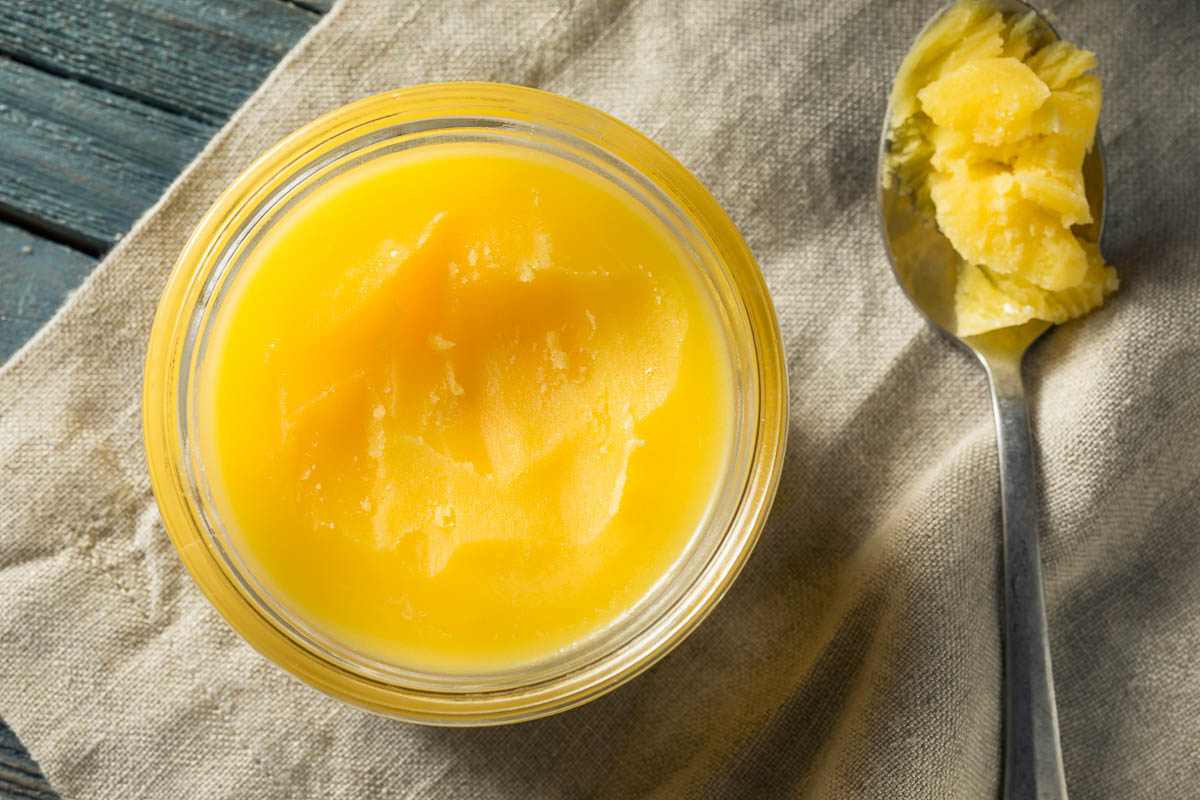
413,118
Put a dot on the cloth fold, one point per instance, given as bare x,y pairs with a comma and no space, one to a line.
859,654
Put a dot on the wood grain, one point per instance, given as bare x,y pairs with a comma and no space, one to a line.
82,160
20,778
196,58
35,277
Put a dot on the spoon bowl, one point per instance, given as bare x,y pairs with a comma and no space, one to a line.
922,258
926,266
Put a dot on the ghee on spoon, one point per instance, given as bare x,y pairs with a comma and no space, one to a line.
925,264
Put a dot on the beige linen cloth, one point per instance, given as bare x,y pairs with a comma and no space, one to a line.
859,654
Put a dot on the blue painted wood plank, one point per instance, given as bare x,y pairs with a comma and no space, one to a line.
20,777
193,57
36,275
81,160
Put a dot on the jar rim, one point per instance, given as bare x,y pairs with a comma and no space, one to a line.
196,281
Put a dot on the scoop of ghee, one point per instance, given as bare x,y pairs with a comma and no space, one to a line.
989,129
467,405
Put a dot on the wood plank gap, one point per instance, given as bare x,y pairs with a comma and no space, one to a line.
45,229
50,68
13,786
85,159
21,768
24,766
315,6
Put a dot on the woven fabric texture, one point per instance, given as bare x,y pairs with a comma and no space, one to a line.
859,654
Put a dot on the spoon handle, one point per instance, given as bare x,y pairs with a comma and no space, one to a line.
1033,768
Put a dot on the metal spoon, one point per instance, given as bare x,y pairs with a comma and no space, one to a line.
925,264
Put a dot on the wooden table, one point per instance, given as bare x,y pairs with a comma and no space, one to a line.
102,103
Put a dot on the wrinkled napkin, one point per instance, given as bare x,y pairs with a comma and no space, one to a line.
859,654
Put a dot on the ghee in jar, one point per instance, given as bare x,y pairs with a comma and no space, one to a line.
464,406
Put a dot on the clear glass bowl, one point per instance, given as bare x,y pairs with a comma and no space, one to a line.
416,117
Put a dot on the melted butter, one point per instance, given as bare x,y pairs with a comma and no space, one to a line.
467,407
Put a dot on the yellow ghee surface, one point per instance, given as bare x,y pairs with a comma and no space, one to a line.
990,126
464,406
